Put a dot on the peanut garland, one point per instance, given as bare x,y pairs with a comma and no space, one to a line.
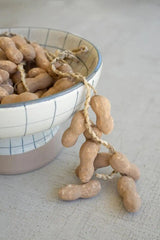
89,155
50,74
89,150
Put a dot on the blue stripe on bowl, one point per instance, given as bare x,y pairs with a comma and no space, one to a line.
22,144
79,43
34,141
65,40
44,137
26,122
54,113
10,147
47,35
77,94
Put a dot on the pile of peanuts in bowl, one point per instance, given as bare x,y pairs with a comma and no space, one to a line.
26,73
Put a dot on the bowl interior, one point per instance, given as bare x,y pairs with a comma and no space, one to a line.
52,39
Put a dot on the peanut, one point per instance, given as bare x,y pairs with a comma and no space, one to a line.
120,163
26,49
3,93
16,77
2,55
73,192
41,59
39,82
60,85
35,71
76,128
4,76
101,106
65,68
87,154
8,66
39,93
9,81
89,137
23,97
9,47
60,66
101,160
8,87
127,190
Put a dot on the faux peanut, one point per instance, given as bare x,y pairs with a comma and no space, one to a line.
41,59
12,53
23,97
4,76
87,155
35,72
39,93
2,55
73,192
26,49
65,68
120,163
127,190
3,93
101,160
62,67
8,87
16,77
76,128
60,85
9,81
101,106
8,66
39,82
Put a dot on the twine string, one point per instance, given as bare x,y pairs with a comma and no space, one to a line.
20,68
80,50
106,177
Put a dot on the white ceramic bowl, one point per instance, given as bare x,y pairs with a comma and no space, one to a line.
34,122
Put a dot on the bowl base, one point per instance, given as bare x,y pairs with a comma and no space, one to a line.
32,160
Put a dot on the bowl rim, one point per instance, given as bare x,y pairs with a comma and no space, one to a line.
99,64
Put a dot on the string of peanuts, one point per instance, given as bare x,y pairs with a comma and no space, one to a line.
50,75
120,164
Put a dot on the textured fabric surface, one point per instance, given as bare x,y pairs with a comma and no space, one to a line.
127,34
